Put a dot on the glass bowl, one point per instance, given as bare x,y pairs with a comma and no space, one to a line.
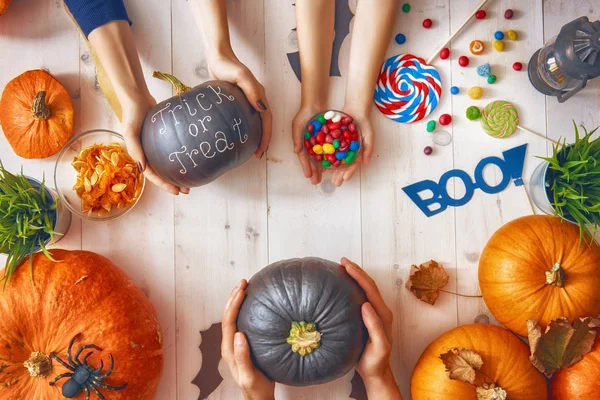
332,140
65,176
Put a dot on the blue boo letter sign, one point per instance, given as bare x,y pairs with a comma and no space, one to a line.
511,167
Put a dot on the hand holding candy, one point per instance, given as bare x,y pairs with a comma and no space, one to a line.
311,170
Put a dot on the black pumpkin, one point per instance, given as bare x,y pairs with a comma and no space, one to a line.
303,321
200,133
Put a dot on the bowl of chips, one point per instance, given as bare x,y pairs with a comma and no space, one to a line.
95,176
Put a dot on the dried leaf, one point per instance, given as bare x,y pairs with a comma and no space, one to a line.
461,364
426,280
562,344
489,391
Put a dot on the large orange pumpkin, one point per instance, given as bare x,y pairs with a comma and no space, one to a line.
83,293
4,5
536,268
581,380
36,114
505,360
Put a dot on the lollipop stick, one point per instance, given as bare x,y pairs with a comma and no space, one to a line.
456,32
537,134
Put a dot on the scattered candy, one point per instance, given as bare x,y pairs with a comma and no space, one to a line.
480,14
427,23
445,119
492,79
499,45
400,38
517,66
454,90
475,92
508,14
408,89
473,113
484,70
499,119
463,61
512,35
445,53
327,145
499,35
477,47
406,7
428,150
431,126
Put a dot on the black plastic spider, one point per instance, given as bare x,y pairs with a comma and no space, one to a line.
84,377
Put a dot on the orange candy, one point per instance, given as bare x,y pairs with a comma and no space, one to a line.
477,47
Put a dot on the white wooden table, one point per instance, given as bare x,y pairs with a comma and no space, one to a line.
187,252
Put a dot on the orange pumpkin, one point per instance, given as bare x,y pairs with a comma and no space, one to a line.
581,380
36,114
4,5
505,360
536,268
83,293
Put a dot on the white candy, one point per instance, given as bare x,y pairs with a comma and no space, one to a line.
329,114
336,118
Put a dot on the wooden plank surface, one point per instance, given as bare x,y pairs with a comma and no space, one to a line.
186,253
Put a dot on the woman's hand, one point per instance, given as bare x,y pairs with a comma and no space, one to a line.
228,68
310,169
236,352
374,365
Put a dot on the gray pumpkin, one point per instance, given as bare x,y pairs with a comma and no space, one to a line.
303,321
199,134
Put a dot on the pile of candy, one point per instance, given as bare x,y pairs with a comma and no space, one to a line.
332,139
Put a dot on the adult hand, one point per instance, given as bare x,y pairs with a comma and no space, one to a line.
236,352
134,113
374,365
363,120
310,169
230,69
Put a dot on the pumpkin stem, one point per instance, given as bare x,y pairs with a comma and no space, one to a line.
304,337
38,365
556,276
177,84
39,109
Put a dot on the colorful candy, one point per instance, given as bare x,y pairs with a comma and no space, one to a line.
517,66
499,35
427,23
499,119
484,70
508,14
454,90
463,61
445,119
480,14
336,143
512,35
400,38
431,126
408,89
445,53
473,113
406,7
491,79
428,150
477,47
499,45
475,92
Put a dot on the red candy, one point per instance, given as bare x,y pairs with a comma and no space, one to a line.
346,120
355,136
325,129
312,141
348,135
337,163
445,119
428,150
445,53
336,134
427,23
330,157
320,137
310,128
306,143
480,14
508,14
311,151
517,66
344,128
318,157
329,139
352,128
334,125
463,61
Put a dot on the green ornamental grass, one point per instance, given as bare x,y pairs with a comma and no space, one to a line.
26,221
573,181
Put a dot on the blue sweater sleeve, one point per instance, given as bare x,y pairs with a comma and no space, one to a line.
90,14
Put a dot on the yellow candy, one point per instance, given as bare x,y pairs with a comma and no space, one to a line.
328,148
475,92
499,45
512,35
318,149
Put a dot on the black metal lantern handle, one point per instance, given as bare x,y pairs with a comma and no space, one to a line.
564,96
